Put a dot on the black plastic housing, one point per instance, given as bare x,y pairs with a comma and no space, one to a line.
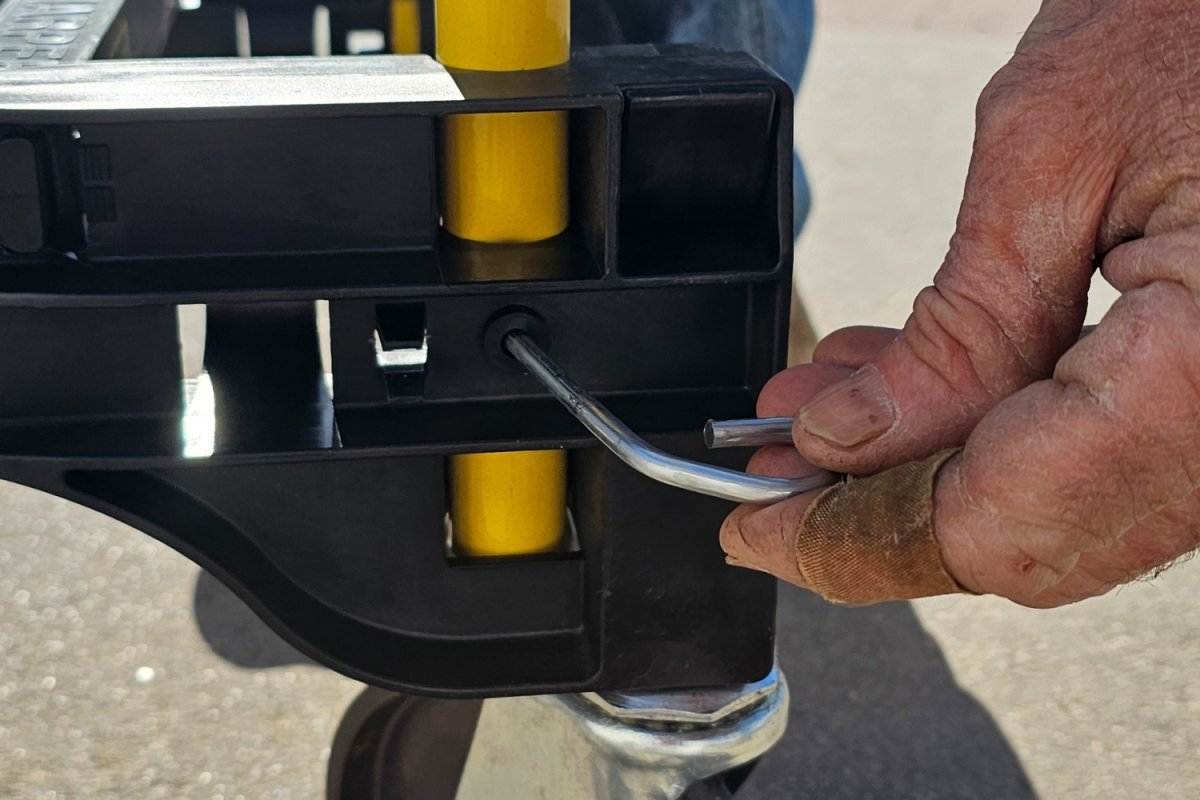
667,297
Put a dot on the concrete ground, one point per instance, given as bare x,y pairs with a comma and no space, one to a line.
124,673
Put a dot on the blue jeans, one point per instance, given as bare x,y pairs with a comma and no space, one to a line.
777,31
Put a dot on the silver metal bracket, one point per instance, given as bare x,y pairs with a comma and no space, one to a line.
618,746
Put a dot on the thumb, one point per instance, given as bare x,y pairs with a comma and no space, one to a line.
1011,295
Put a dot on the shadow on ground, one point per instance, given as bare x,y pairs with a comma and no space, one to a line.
877,714
235,633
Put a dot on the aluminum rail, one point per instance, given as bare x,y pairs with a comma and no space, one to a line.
681,473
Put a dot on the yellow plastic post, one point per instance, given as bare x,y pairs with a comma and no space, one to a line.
406,26
503,35
504,180
508,503
515,166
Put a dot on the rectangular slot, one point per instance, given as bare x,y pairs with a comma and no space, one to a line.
402,347
700,183
401,326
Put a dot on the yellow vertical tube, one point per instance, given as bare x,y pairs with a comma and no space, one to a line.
406,26
504,181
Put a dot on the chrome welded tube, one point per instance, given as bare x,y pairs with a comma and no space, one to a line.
681,473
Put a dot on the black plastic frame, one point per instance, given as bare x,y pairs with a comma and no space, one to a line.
326,514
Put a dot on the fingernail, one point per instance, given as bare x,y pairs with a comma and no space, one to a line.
855,411
733,561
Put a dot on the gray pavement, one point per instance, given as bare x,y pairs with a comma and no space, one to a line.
108,689
125,673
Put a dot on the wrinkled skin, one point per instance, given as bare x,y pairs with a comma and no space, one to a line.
1082,455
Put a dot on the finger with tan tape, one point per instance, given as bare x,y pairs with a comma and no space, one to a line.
860,542
1066,490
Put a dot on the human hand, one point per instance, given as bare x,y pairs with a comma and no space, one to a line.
1081,456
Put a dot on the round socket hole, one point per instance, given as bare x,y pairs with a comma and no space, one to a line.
512,320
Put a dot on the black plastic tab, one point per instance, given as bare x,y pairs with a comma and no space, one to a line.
21,226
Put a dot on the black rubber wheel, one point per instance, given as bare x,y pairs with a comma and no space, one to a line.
400,747
721,787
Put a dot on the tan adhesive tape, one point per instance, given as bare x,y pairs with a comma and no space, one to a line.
871,540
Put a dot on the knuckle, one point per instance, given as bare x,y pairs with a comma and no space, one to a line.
1026,108
1005,105
940,328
